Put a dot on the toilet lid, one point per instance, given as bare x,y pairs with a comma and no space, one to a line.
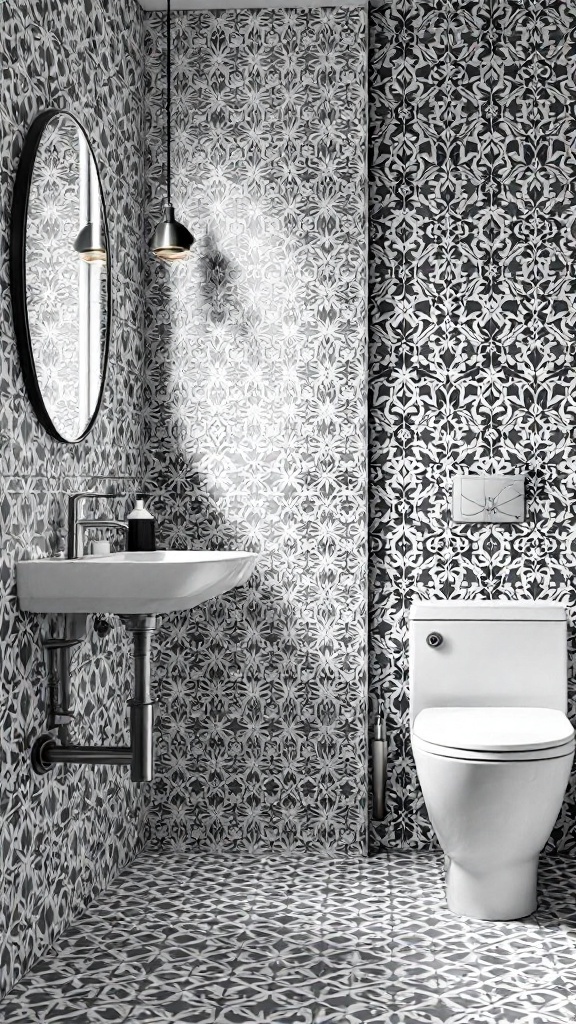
493,728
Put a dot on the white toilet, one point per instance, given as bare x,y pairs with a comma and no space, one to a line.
492,743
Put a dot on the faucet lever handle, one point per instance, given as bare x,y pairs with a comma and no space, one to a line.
74,526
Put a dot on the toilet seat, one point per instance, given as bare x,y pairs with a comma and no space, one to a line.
494,733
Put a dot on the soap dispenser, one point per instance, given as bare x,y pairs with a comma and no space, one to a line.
141,529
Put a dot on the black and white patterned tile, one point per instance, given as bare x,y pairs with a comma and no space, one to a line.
254,425
63,837
472,179
234,939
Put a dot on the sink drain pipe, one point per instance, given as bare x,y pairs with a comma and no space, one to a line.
46,751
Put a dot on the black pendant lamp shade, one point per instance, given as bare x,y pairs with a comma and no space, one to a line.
90,245
171,240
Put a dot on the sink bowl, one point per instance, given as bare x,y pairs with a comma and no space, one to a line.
130,582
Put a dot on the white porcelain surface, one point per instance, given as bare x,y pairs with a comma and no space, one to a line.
489,658
492,743
478,608
131,582
494,729
497,755
492,820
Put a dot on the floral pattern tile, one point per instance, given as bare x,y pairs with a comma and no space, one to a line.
236,939
472,171
255,425
64,836
254,434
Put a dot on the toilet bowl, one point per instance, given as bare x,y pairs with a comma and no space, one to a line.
492,743
492,808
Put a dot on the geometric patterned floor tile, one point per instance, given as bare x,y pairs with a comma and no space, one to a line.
224,939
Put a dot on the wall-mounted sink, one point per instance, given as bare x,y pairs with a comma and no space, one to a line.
130,582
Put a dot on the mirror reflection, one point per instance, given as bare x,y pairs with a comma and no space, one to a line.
66,279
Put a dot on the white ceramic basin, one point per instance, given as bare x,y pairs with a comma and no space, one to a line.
130,582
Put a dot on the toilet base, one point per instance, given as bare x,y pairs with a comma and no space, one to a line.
498,894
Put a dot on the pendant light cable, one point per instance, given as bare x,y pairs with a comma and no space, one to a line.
168,98
171,240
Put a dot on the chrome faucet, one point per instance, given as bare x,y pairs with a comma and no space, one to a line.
77,525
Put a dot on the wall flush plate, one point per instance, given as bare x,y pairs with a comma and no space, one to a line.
487,498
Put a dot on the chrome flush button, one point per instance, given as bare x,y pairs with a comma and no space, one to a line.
434,640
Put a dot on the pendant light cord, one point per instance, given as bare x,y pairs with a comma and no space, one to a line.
168,125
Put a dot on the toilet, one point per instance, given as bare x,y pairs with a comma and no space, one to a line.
492,743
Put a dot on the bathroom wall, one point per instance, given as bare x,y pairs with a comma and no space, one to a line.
472,350
255,426
64,836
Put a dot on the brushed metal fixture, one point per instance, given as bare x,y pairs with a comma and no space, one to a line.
48,750
90,244
379,752
171,240
434,639
76,525
489,498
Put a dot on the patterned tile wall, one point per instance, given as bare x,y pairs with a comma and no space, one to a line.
255,425
472,325
63,837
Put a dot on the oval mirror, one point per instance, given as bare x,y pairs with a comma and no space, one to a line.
60,275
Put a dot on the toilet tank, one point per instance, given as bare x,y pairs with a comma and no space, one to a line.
491,653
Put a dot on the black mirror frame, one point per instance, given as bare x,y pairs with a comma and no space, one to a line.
18,272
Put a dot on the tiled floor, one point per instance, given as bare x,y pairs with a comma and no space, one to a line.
240,940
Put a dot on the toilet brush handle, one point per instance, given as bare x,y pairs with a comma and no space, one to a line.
378,779
379,753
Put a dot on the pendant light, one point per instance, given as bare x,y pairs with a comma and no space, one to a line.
90,245
171,240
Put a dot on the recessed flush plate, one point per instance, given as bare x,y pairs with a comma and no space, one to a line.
489,498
